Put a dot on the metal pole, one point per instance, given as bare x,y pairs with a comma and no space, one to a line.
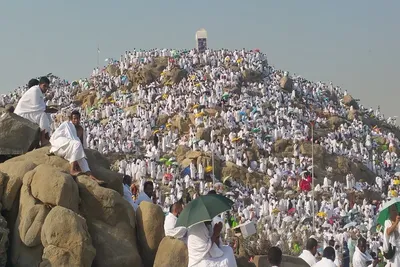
98,55
213,169
312,175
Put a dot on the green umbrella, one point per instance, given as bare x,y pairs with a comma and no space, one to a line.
256,130
384,213
203,209
163,160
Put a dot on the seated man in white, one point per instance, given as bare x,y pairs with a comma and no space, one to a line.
146,194
205,249
67,142
170,222
31,106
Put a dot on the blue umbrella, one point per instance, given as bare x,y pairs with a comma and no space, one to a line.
186,171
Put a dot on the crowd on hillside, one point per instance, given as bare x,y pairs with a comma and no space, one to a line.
262,113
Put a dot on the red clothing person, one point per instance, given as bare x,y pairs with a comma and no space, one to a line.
305,184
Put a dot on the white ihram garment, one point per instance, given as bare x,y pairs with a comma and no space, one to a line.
171,230
361,259
66,143
32,107
201,249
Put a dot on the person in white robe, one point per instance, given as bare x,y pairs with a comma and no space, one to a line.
361,258
308,255
392,236
328,258
67,143
204,249
32,107
146,194
170,222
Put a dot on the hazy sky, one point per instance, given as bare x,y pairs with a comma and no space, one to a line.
353,43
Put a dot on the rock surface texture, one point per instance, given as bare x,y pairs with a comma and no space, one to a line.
55,220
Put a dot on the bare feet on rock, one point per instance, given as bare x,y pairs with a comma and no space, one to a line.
75,173
100,182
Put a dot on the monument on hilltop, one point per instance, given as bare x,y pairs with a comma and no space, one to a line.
201,40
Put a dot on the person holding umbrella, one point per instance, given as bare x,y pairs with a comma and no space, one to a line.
204,230
390,218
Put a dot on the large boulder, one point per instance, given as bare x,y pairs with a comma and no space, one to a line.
280,145
180,152
352,114
181,124
335,121
54,188
193,154
99,165
150,219
111,223
15,172
175,75
348,101
234,171
171,252
203,134
66,240
252,76
4,243
286,83
26,247
87,98
113,70
149,73
17,135
46,185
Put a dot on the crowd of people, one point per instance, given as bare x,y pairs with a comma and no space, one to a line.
259,115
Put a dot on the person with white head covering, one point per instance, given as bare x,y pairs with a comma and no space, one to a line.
204,247
32,106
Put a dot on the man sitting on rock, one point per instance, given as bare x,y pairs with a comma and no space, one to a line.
67,142
205,249
32,107
170,222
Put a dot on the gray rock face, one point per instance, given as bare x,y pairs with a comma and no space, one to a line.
17,135
3,241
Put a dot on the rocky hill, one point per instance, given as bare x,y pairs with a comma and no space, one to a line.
51,219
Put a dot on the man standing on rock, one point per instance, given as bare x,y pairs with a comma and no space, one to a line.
32,107
67,142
